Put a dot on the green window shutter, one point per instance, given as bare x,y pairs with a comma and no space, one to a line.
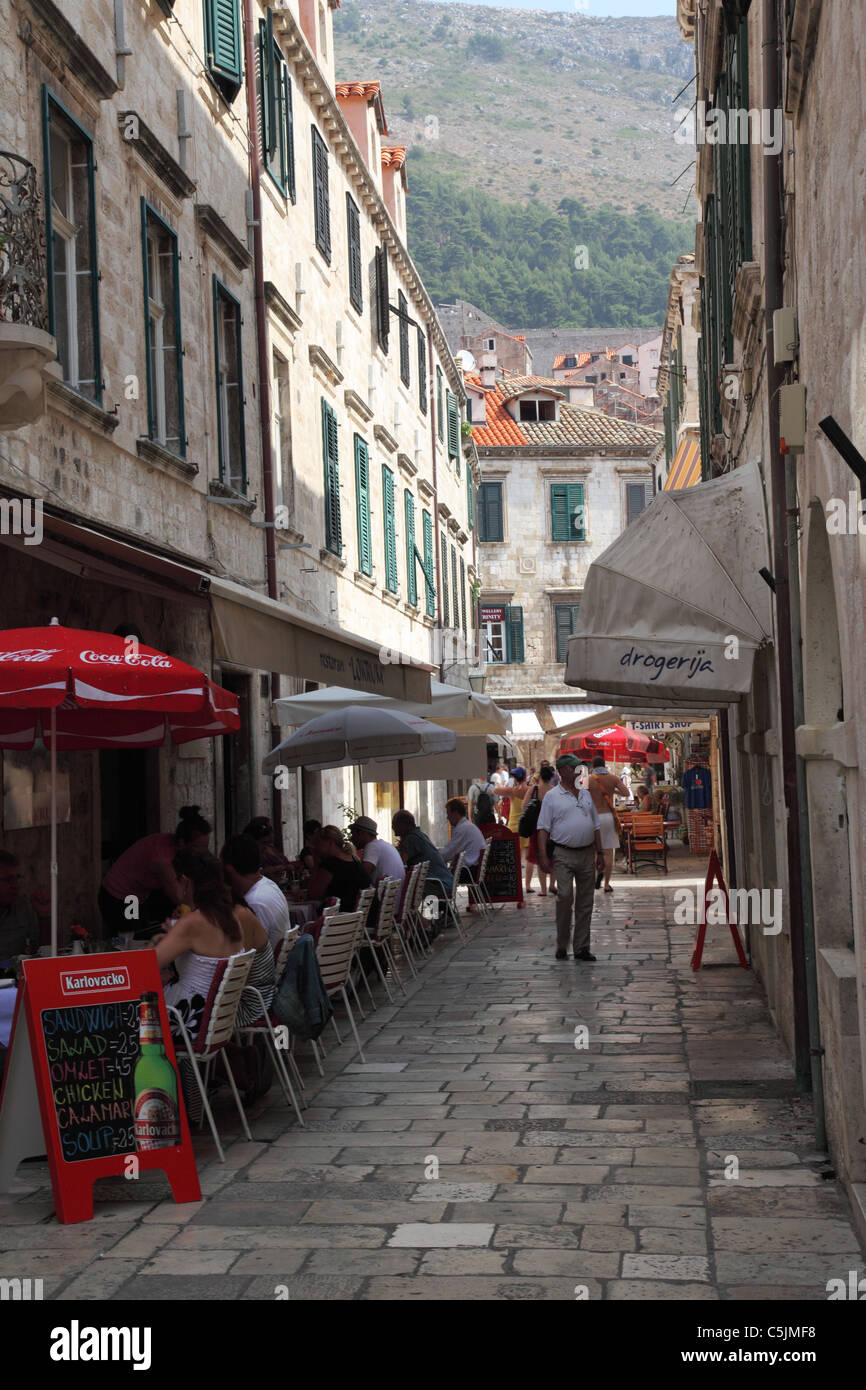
409,529
463,594
455,592
151,416
353,230
513,634
680,373
567,511
270,80
668,447
565,617
446,616
362,494
290,133
330,451
470,499
383,311
440,411
490,520
321,196
430,586
149,215
453,425
635,501
422,371
225,305
222,32
390,531
403,310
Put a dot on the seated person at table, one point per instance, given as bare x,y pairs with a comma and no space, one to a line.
643,797
340,873
379,858
307,853
464,836
145,873
217,928
416,848
21,920
274,864
240,857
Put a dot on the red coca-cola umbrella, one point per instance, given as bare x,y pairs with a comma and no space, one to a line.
89,690
616,743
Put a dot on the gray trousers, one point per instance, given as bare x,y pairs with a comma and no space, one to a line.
575,885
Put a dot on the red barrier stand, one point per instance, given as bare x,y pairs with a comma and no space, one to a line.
714,876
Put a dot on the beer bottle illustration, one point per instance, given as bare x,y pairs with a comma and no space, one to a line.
157,1123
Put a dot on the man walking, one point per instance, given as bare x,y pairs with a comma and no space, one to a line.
569,822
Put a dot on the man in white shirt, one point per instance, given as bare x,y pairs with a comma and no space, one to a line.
569,821
464,836
380,859
241,860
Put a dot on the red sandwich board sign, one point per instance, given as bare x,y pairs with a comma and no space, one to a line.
503,879
91,1044
714,876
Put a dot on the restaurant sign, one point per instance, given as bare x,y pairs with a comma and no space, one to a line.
91,1079
495,614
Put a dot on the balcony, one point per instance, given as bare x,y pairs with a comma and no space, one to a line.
28,352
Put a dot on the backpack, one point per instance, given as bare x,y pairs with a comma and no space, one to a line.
484,810
529,816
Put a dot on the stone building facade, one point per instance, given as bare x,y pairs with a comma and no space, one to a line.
247,412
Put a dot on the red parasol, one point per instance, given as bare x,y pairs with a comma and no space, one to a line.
93,690
618,744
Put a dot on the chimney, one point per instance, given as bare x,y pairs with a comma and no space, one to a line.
488,369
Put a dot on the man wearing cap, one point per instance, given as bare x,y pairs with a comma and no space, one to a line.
380,859
570,823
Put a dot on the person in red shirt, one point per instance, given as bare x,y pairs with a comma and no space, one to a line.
141,886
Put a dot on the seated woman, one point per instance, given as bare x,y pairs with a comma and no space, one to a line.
273,864
643,797
216,929
339,872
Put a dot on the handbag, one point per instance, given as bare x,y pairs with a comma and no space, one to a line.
529,816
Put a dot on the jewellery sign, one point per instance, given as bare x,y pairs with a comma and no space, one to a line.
97,1052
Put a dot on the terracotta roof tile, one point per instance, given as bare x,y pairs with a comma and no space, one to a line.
370,90
393,156
581,359
582,429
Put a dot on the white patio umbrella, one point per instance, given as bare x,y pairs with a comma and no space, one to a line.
451,707
359,734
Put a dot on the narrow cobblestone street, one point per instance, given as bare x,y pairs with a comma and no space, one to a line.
602,1171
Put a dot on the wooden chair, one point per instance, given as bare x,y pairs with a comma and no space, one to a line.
403,913
647,841
363,905
477,888
335,952
452,911
379,938
217,1028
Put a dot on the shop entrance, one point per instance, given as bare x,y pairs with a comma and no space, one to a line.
127,799
238,760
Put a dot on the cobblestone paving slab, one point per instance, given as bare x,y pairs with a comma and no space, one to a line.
485,1150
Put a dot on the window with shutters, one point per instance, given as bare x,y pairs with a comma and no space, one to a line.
231,443
463,594
514,634
440,406
501,633
278,138
362,502
353,236
470,499
422,371
321,196
427,566
331,457
390,530
403,311
568,512
455,591
163,351
411,557
383,312
564,626
443,579
490,513
72,269
635,501
453,408
222,41
284,477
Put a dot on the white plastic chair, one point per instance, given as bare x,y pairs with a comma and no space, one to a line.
451,908
216,1029
336,949
477,888
403,914
363,905
382,935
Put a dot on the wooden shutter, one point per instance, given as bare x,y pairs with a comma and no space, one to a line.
422,371
270,79
362,494
290,132
430,586
330,450
565,617
403,308
151,413
513,634
463,594
409,528
566,500
455,592
444,582
223,44
353,229
635,500
453,425
383,312
440,411
470,499
321,196
490,512
390,531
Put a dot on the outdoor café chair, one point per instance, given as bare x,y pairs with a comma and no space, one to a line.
363,905
647,841
403,914
477,892
264,1025
381,936
451,909
335,952
216,1029
416,912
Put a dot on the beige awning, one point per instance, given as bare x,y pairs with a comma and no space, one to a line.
251,630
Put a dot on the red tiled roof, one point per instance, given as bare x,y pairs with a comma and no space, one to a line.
577,427
393,156
581,357
370,90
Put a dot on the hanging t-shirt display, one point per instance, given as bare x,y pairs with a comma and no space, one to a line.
697,784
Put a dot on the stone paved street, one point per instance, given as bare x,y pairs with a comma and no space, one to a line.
479,1154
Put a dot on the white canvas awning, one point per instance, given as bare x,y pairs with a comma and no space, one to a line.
675,609
464,711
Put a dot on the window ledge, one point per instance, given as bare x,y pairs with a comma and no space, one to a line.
462,537
76,51
281,309
385,439
323,365
218,230
71,402
453,525
217,488
392,599
406,467
356,405
427,620
331,561
365,581
154,153
444,511
426,489
410,608
155,453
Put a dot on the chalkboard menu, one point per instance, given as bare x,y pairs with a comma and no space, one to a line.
96,1054
503,879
